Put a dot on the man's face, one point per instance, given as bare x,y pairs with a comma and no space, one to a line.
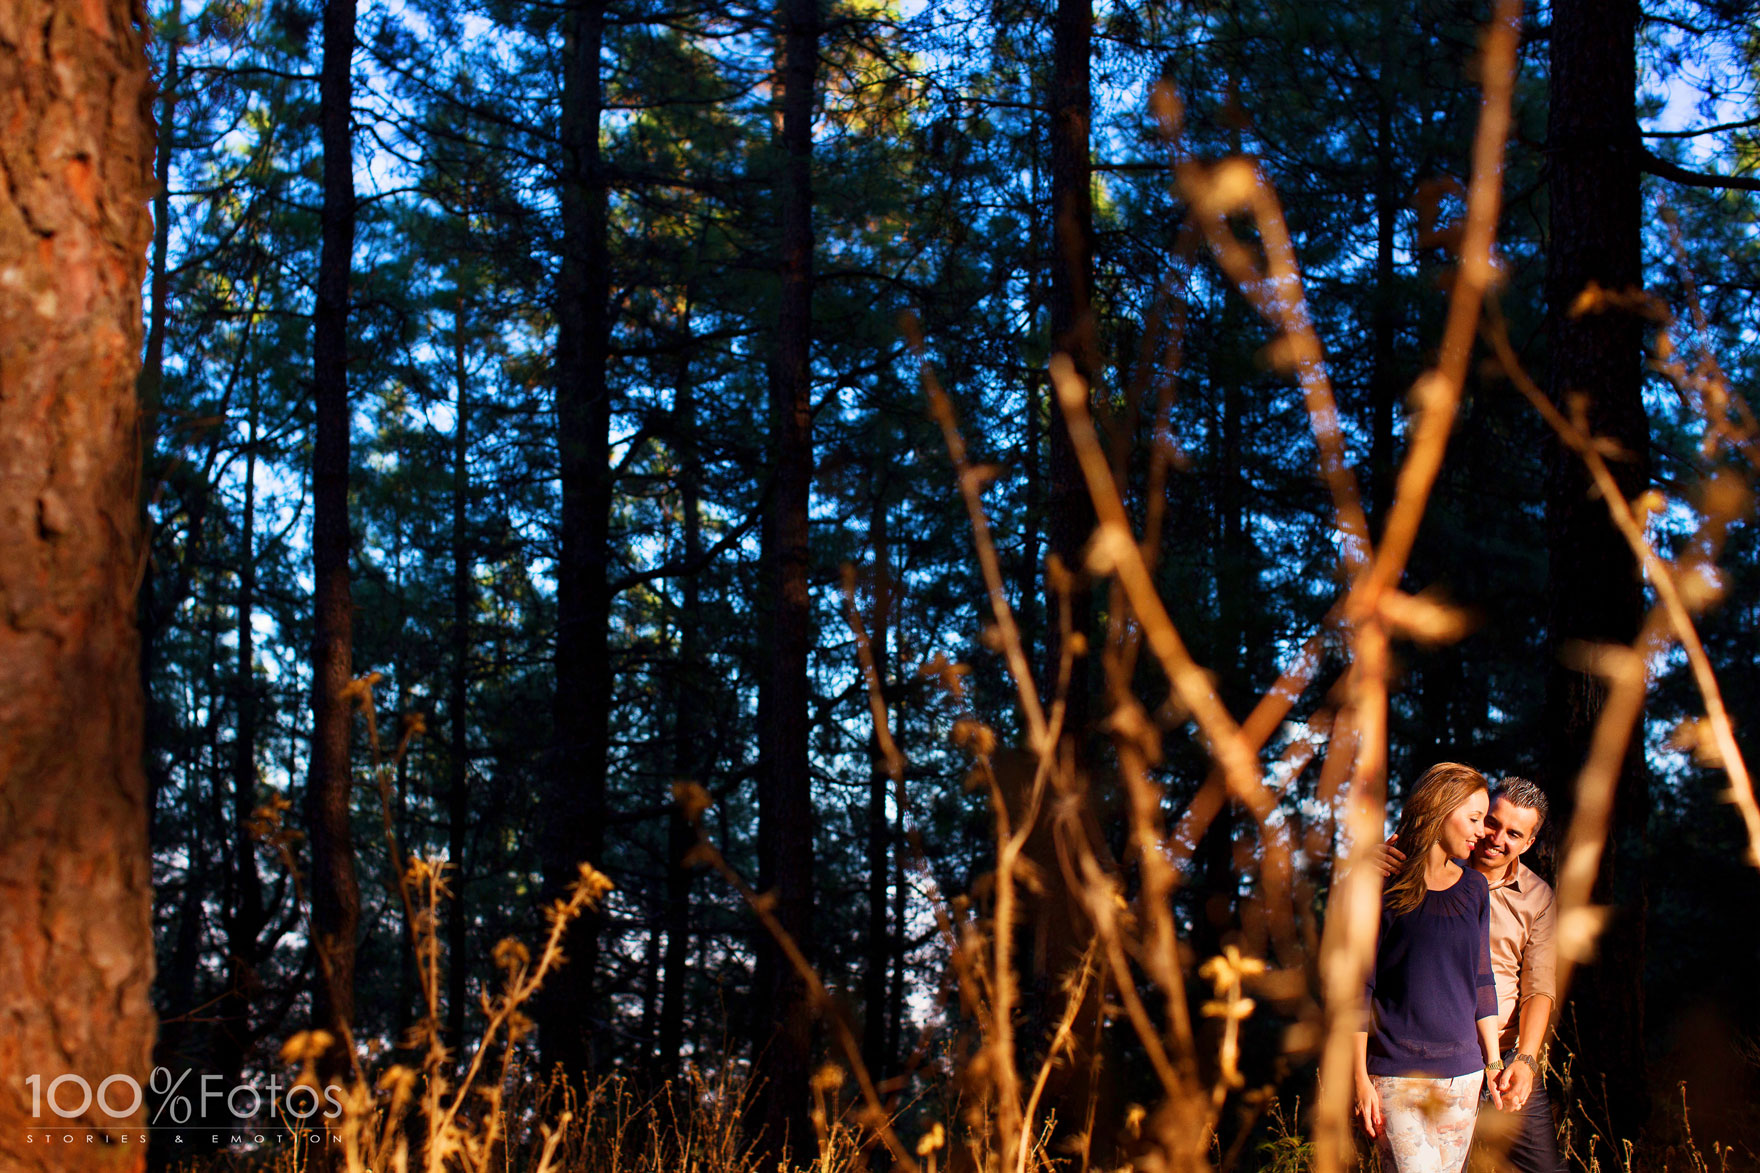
1509,831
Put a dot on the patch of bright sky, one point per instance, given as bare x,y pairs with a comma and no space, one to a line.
1712,85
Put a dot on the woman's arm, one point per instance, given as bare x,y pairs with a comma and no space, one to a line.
1368,1106
1487,1020
1493,1060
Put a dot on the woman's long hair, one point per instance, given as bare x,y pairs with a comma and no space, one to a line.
1443,787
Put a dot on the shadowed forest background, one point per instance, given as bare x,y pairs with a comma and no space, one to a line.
538,470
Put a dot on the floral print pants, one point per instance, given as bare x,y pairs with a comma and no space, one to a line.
1429,1122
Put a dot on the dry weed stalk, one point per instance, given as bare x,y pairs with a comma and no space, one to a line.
419,1113
461,1126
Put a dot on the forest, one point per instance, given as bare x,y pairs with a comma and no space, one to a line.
659,585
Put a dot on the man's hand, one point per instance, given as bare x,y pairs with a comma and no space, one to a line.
1385,856
1516,1082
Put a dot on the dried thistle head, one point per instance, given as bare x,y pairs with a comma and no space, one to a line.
360,689
974,736
511,955
1229,968
399,1081
267,823
306,1046
304,1050
692,799
592,885
950,675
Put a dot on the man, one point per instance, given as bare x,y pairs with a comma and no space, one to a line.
1524,957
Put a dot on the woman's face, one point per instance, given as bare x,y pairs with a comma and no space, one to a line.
1464,825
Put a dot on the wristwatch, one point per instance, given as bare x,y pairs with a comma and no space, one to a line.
1494,1066
1533,1063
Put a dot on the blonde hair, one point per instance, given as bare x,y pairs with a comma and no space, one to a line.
1441,790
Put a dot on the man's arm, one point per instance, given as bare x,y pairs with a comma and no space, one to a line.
1534,1020
1385,857
1538,994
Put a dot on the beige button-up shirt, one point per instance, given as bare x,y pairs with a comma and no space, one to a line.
1523,955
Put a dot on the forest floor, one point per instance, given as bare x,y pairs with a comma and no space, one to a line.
613,1129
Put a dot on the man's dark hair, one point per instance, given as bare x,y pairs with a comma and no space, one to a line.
1523,793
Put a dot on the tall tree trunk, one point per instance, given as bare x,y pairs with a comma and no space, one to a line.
895,1012
568,1013
783,1027
687,717
335,890
151,379
1595,592
1032,507
75,880
1384,310
1069,511
879,943
244,915
458,692
152,374
1215,852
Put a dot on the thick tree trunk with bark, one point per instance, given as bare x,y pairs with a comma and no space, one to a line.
1595,590
568,1014
335,890
782,1029
75,883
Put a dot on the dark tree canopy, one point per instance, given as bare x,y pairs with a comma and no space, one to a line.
539,470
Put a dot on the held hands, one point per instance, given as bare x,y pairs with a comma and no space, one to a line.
1516,1083
1368,1109
1493,1084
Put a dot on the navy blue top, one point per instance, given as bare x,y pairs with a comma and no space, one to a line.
1432,982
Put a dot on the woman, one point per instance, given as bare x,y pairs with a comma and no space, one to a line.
1432,995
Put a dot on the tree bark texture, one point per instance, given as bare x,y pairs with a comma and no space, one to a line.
335,889
575,815
75,896
783,1018
1595,591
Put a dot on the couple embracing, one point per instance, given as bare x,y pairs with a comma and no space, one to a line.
1462,991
